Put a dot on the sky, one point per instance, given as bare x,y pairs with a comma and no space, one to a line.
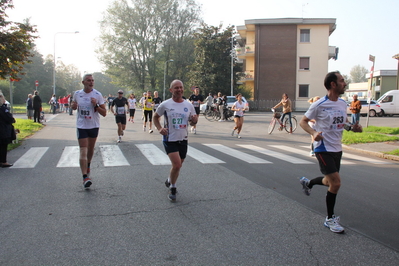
363,27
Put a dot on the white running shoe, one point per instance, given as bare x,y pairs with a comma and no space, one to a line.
150,131
119,139
195,131
232,132
333,224
305,182
144,129
238,136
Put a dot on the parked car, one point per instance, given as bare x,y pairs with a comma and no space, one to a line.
375,108
230,101
389,103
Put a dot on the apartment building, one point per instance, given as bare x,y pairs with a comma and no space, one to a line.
287,55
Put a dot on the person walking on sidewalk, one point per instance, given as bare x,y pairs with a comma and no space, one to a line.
90,105
286,103
239,109
120,113
6,131
330,116
178,113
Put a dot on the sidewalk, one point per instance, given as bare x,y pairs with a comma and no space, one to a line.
376,149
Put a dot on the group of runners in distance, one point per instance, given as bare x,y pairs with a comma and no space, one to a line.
324,121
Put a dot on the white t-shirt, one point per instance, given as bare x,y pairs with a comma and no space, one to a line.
132,103
87,118
176,116
330,119
239,106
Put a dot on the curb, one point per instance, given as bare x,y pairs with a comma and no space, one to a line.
374,153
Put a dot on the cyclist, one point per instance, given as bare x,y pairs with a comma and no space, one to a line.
286,103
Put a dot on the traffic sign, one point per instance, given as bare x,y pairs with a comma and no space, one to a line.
36,83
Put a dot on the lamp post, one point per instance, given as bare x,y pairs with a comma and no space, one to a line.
54,55
164,78
397,74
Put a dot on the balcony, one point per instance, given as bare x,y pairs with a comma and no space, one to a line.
247,50
245,77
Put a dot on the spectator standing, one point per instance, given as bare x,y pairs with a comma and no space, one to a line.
355,108
37,107
6,128
29,107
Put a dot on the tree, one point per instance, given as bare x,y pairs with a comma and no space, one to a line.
15,43
358,74
138,38
212,68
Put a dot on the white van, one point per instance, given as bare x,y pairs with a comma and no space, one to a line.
389,103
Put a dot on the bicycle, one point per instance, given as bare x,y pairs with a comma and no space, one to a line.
285,124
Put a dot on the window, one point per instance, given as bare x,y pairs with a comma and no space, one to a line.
304,63
305,35
387,99
304,90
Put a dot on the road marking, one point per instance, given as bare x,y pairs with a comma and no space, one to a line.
237,154
112,156
30,158
153,154
277,155
302,152
70,157
202,156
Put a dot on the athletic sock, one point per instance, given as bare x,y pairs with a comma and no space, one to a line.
316,181
330,200
172,185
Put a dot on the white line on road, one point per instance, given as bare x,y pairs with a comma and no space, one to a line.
153,154
112,156
70,157
30,158
202,157
236,154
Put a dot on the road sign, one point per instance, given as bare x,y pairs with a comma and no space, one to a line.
36,83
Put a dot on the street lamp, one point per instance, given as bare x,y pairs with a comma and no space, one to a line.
54,55
164,78
397,74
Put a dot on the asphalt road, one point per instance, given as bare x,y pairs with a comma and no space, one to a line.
232,212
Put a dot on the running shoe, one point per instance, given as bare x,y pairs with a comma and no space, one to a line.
195,131
172,194
87,182
305,182
192,129
232,132
150,131
333,224
238,136
144,129
221,120
119,139
167,184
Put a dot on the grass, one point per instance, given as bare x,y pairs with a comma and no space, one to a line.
373,134
21,109
26,128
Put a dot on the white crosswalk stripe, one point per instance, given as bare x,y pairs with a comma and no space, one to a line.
202,157
69,157
112,155
277,155
302,152
30,158
153,154
236,153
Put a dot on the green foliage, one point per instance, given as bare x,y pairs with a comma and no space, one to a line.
139,36
211,70
358,74
15,43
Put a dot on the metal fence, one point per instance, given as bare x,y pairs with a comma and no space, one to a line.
266,105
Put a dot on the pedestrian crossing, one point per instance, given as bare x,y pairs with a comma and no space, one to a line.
113,155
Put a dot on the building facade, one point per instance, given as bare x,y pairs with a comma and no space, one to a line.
288,55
